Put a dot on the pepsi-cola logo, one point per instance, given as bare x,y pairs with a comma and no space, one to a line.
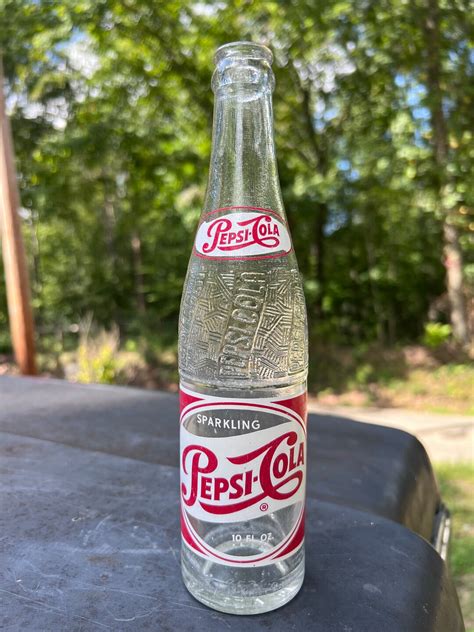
243,234
273,471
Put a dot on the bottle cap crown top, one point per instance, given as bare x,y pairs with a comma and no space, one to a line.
242,51
243,63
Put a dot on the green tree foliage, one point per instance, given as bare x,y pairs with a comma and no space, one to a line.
111,111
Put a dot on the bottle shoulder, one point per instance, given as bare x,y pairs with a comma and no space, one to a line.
243,324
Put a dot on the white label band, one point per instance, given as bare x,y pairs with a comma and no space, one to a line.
253,465
242,234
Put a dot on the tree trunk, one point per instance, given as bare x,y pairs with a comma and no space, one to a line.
454,281
319,249
377,307
452,248
138,274
322,211
109,221
16,269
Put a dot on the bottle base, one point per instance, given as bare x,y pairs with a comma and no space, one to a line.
245,604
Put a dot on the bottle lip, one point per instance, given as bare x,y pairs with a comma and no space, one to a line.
243,50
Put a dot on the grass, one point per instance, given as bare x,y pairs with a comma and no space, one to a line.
414,377
445,389
456,483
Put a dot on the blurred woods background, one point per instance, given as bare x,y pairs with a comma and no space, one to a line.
111,110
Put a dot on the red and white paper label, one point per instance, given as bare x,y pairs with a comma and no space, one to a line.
245,232
242,459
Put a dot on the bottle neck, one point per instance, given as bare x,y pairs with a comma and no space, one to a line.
243,169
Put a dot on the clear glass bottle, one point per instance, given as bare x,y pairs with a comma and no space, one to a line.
243,362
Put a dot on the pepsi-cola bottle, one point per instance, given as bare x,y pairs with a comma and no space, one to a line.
243,362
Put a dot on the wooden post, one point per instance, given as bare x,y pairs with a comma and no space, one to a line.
14,260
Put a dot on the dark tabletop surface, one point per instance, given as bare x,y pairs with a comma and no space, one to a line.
89,524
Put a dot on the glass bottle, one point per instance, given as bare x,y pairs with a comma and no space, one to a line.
243,362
